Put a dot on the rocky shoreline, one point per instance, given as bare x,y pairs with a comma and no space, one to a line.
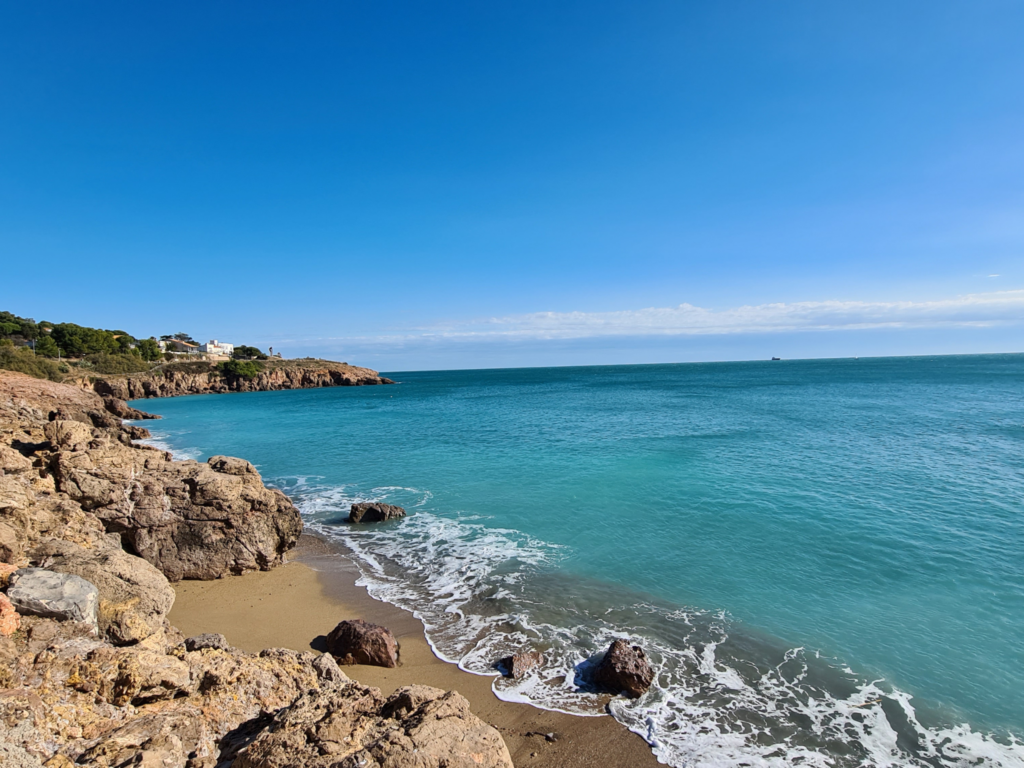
93,530
200,378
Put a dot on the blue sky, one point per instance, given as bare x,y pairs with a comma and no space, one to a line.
414,185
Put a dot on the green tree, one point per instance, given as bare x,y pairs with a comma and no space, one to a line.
148,349
47,347
242,352
78,341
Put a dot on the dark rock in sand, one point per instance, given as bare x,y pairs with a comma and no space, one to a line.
518,664
359,642
374,512
625,669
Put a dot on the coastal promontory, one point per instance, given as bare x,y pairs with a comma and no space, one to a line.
202,377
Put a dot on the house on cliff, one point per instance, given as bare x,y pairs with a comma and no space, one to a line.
214,347
173,345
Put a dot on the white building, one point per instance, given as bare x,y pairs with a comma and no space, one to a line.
214,347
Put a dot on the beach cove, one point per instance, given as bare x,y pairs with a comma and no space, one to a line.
295,605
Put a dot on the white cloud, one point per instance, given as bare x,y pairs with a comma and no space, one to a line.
977,310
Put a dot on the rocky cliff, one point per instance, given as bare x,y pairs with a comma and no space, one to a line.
204,378
93,530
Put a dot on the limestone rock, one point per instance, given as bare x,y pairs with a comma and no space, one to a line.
134,597
327,669
625,669
9,618
190,520
207,640
347,726
39,592
122,410
518,664
199,379
13,461
374,512
73,435
359,642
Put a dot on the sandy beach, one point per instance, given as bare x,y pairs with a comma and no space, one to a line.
296,605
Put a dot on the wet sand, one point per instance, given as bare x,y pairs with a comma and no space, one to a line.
296,605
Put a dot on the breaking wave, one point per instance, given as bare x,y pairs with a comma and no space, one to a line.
724,695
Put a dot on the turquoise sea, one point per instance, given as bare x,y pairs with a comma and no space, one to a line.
824,559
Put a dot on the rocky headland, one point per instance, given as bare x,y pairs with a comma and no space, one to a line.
200,377
93,531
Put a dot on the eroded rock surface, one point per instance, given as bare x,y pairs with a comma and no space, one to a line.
349,725
39,592
359,642
134,597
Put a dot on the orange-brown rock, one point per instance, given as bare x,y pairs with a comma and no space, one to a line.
9,618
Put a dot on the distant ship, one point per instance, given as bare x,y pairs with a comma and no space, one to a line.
776,358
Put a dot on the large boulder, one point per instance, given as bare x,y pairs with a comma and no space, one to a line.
374,512
625,669
190,520
359,642
134,597
61,596
347,725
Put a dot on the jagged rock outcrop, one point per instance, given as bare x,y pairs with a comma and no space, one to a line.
624,669
72,472
374,512
190,520
74,700
204,378
417,727
360,642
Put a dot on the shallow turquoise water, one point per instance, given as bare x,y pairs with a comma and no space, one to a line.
869,512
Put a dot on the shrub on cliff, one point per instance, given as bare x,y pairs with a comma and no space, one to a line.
240,369
192,367
243,352
116,363
23,360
